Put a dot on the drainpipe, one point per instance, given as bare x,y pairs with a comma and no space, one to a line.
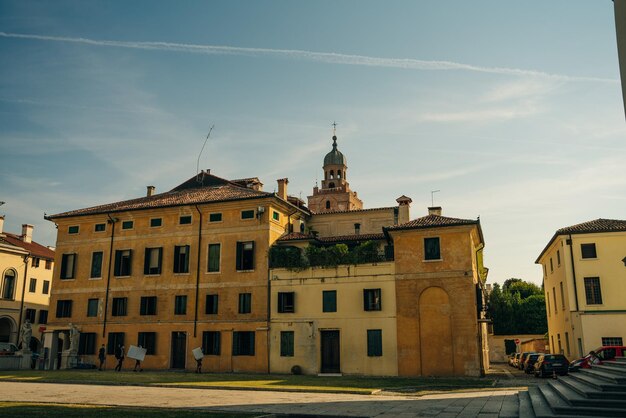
195,318
269,314
111,222
19,322
571,254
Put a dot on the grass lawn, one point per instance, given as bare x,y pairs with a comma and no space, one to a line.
21,410
345,384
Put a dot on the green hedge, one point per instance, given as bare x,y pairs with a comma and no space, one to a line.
293,258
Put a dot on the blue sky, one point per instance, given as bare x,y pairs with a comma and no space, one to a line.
512,109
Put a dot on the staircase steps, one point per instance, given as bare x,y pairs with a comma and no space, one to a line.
525,405
561,407
617,365
619,379
589,391
596,383
574,398
610,367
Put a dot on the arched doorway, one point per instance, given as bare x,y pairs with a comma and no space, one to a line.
435,333
7,328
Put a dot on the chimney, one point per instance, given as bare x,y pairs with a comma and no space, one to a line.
150,191
434,210
282,188
1,224
27,233
404,203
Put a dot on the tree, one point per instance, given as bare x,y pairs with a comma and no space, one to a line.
518,307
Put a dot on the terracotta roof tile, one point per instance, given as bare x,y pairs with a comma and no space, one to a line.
356,237
353,210
33,247
432,221
295,236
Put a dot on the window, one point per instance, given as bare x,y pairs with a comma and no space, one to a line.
431,249
374,342
122,263
551,266
64,308
286,343
48,264
247,214
558,340
609,341
328,204
588,250
286,302
68,261
275,215
115,340
562,297
127,224
213,264
96,265
211,305
99,227
558,257
243,343
592,291
185,220
8,284
147,340
155,222
548,302
46,287
181,259
72,229
92,307
32,286
215,217
245,255
35,262
30,315
211,343
43,316
148,305
357,229
371,299
152,261
556,311
87,343
329,301
118,308
245,303
567,343
180,305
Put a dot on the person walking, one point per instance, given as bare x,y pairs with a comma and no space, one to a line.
138,364
198,365
119,355
101,356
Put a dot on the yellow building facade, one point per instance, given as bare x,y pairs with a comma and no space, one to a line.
26,268
584,277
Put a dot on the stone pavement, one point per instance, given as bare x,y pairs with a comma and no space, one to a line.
486,404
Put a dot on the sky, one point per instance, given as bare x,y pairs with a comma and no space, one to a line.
512,110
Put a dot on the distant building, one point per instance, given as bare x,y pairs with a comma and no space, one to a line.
206,264
26,269
584,277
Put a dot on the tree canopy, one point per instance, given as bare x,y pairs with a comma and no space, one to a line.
518,307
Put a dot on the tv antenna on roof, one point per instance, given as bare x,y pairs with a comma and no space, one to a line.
198,177
432,197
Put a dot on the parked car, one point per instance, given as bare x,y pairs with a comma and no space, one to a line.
7,349
516,360
529,363
603,353
548,364
522,359
512,359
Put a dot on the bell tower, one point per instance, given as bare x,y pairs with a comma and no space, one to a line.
335,194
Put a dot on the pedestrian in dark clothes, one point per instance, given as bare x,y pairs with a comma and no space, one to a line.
199,365
101,356
119,355
138,364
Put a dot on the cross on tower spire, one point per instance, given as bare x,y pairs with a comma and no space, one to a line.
334,128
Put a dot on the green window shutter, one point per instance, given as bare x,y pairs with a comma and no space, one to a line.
374,342
329,301
287,343
118,263
239,254
214,257
146,261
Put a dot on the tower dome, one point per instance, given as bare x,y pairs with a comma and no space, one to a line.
335,157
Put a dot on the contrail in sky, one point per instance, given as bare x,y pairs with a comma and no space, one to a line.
325,57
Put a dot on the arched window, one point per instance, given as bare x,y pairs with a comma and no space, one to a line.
332,174
331,185
302,227
325,175
338,174
8,284
328,204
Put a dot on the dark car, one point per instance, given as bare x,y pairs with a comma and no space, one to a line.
529,363
522,359
516,360
549,364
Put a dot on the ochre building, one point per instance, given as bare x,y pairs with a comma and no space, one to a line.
263,282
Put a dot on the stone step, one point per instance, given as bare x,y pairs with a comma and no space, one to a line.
597,383
574,398
525,405
601,374
541,408
590,391
616,365
560,407
611,368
